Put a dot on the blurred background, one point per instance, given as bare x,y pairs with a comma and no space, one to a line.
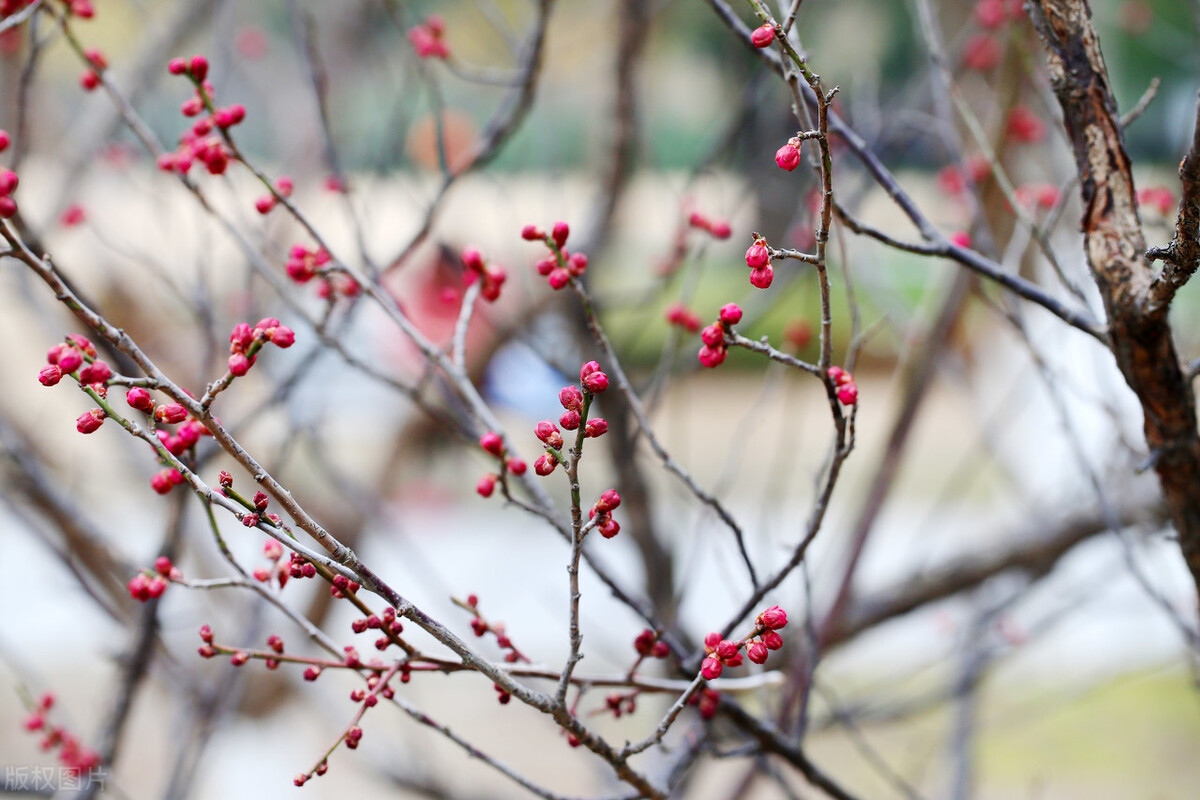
1000,607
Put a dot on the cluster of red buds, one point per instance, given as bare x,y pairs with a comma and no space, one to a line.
717,228
1038,195
8,181
953,181
576,400
727,652
300,567
847,391
386,623
788,156
67,357
199,143
337,283
713,353
343,586
147,585
1160,198
481,627
680,315
97,63
71,754
273,552
648,645
758,259
601,512
560,265
492,275
245,342
494,445
428,39
284,185
303,263
983,50
763,35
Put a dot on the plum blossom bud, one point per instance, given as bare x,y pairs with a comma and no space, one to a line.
283,337
847,394
762,278
545,464
711,669
70,360
712,640
570,420
757,652
239,365
772,640
762,36
96,372
170,413
486,485
571,398
558,278
50,375
516,466
608,527
713,336
773,618
644,642
608,501
727,649
788,157
548,432
492,443
241,337
712,356
757,255
560,233
595,428
90,421
139,399
225,479
161,482
532,233
595,382
731,314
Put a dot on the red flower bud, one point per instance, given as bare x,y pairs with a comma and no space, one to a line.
595,428
711,669
757,652
90,421
170,413
560,233
571,398
788,157
545,464
772,640
773,618
757,255
762,36
712,356
492,443
50,375
731,314
139,399
486,485
761,278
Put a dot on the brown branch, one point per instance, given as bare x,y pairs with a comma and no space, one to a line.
1182,255
1140,334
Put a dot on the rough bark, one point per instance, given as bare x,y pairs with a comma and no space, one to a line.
1139,331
